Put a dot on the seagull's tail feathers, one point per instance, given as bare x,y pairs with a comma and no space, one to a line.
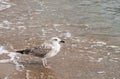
25,51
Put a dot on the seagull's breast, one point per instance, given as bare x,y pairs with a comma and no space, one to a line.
54,51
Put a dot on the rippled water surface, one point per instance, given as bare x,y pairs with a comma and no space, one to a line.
91,30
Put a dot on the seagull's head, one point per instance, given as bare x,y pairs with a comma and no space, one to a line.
56,40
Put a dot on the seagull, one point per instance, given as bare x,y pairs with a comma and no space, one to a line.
46,50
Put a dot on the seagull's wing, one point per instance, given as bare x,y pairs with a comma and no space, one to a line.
42,50
39,51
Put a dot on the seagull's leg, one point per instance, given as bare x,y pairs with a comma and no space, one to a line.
44,61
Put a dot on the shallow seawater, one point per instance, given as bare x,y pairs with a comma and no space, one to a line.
90,28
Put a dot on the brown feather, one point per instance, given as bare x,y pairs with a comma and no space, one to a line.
39,51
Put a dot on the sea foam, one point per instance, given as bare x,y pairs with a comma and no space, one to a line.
12,57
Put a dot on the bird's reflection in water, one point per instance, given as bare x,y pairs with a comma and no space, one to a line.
37,71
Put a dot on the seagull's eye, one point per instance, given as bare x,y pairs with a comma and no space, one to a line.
56,39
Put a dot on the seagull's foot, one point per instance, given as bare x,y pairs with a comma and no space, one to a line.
47,66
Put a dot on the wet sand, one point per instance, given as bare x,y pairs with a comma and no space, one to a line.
90,28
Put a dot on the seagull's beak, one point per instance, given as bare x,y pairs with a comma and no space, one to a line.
62,41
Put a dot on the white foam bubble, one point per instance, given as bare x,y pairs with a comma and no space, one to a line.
5,24
91,58
101,72
2,50
116,58
98,43
5,4
113,46
67,34
43,32
12,58
94,59
3,7
74,45
112,60
99,59
56,25
92,52
4,61
21,27
116,48
12,55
